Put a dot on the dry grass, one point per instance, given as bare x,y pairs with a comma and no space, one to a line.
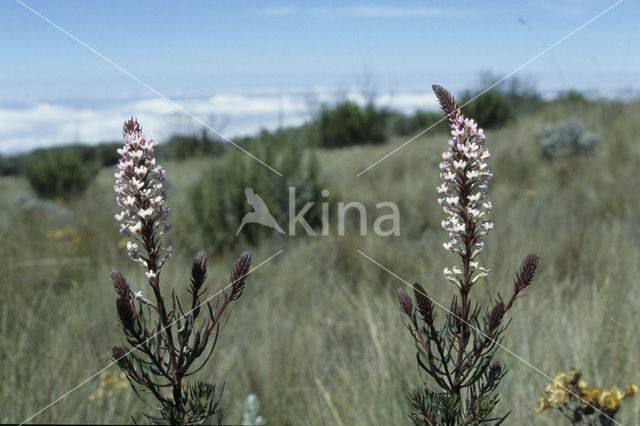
318,336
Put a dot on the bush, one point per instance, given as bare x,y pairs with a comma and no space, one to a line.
502,103
59,172
11,165
566,138
492,109
182,147
218,201
106,153
347,124
404,125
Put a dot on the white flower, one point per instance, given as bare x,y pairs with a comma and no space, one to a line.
473,265
136,229
452,201
472,174
449,177
487,225
457,270
459,228
137,155
151,275
137,295
137,184
146,213
475,197
487,205
120,216
470,124
128,165
459,165
472,212
129,201
484,154
447,155
445,224
140,171
448,245
442,189
131,246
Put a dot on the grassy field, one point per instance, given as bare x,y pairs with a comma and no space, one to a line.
318,334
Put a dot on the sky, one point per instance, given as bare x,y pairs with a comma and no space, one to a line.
243,65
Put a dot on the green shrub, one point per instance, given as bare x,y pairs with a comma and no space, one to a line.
405,125
11,165
347,124
59,172
566,138
106,153
218,202
492,109
182,147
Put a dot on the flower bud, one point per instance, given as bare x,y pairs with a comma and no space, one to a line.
425,306
405,302
239,273
119,283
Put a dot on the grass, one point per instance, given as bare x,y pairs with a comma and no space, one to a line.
318,335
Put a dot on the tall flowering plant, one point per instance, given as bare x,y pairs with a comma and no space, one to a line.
459,354
166,339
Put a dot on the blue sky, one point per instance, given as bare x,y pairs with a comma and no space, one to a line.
198,49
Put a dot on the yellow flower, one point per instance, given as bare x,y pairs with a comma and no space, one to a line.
543,404
54,235
110,382
615,391
561,378
609,401
574,375
122,243
630,390
596,394
586,394
558,396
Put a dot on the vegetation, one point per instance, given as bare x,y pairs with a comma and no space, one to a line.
582,404
348,123
59,172
566,138
168,342
218,200
320,338
459,356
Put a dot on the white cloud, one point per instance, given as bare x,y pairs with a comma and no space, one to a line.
48,124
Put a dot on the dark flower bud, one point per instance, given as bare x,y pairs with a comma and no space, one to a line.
425,306
239,274
119,283
126,314
199,271
496,315
120,357
405,302
447,101
527,270
131,125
